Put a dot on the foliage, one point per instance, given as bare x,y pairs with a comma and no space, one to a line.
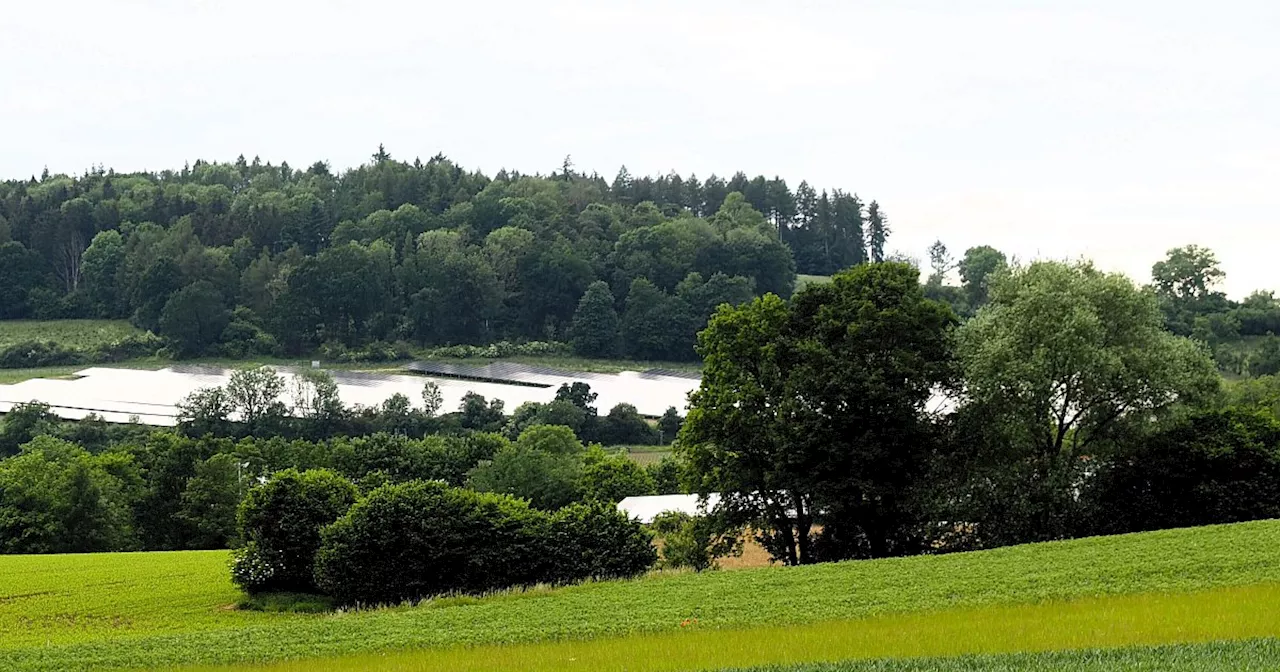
1062,360
211,499
1213,467
280,522
418,539
669,425
194,318
57,498
596,541
694,541
817,405
612,478
595,323
978,268
543,466
391,251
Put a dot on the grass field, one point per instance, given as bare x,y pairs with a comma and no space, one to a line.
803,281
1249,655
118,610
646,455
1131,620
80,334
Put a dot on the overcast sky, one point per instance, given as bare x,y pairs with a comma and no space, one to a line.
1112,130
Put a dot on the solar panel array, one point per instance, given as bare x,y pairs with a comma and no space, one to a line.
152,396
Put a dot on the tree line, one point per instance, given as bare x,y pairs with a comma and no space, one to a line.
864,419
250,258
89,486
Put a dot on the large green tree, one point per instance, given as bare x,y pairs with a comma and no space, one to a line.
193,318
595,323
813,412
1063,359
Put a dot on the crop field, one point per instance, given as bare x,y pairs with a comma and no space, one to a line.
170,609
79,334
803,281
646,455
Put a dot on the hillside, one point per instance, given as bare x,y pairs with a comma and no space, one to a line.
164,609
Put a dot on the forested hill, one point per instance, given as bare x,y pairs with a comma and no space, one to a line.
253,258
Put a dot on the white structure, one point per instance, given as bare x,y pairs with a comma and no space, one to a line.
118,395
648,507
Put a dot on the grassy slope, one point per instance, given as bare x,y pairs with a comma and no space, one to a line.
123,609
72,333
1241,612
1255,654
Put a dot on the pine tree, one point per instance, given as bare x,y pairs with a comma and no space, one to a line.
877,232
595,323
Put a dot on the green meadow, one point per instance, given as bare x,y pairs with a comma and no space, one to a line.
147,610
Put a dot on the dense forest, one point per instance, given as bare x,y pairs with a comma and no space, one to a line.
250,258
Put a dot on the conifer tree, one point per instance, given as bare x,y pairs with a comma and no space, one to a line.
595,323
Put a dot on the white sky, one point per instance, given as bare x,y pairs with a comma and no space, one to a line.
1107,129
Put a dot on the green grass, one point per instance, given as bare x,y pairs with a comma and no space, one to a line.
646,455
80,334
1252,655
803,281
103,611
1131,620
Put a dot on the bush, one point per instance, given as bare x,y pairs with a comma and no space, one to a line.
693,541
497,350
280,522
624,426
613,478
33,354
597,541
414,540
1217,467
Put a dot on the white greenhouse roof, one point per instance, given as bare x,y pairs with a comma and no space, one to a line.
648,507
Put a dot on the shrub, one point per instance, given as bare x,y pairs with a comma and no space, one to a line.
280,522
624,426
33,354
597,541
1215,467
613,478
414,540
693,541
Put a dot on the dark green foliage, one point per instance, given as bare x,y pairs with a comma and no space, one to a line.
596,541
624,426
976,270
669,424
1216,467
809,412
668,476
194,318
1266,360
23,423
414,540
595,323
280,522
423,252
19,274
478,414
211,499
